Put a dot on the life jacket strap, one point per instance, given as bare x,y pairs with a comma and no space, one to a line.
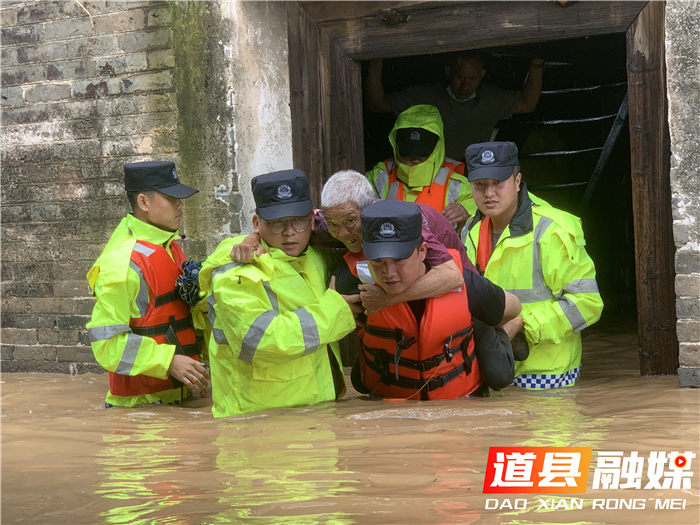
160,329
166,298
416,384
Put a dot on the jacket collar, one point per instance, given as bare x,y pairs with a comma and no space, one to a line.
521,223
146,232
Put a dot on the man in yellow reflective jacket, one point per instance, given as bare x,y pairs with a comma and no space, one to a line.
134,283
537,253
274,323
419,171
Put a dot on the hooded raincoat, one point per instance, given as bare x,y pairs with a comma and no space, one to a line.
541,258
274,330
438,181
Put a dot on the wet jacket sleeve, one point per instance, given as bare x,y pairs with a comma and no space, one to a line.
115,346
252,324
569,272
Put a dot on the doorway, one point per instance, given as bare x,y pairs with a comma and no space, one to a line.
329,40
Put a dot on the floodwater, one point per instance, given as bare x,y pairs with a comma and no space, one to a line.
67,460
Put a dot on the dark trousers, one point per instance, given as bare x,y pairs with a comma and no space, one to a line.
494,355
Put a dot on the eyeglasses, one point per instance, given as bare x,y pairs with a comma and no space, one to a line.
300,224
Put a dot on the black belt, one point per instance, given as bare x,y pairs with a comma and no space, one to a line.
160,329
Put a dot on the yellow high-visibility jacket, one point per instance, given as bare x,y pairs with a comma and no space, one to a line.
541,258
435,169
274,328
122,295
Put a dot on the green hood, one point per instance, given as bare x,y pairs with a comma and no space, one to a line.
425,117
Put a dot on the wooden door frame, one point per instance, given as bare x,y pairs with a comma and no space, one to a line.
327,40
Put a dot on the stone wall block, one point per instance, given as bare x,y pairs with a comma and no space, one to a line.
689,377
7,352
131,20
160,81
687,262
12,96
144,40
92,46
688,308
75,354
13,76
161,59
73,322
84,306
43,11
72,288
83,68
129,125
42,52
68,29
107,66
47,92
16,214
8,56
97,88
21,34
51,305
35,353
42,367
8,17
28,320
159,17
48,337
688,285
689,355
18,336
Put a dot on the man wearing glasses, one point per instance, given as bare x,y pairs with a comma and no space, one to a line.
274,324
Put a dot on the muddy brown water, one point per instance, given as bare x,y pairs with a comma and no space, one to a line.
67,460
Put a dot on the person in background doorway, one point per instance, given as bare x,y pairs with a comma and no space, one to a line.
470,109
538,253
419,171
141,330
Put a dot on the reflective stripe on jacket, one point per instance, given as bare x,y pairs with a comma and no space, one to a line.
541,258
436,360
122,295
274,328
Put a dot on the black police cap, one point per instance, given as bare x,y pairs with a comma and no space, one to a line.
391,229
282,194
492,160
155,175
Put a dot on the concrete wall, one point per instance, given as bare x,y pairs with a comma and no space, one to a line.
202,83
683,69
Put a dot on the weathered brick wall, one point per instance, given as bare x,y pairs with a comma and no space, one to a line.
80,97
683,67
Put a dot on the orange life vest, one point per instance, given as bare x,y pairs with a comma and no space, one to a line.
435,195
167,319
398,358
485,248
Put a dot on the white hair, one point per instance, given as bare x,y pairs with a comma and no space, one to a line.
347,186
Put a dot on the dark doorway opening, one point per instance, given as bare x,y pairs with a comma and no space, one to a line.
562,143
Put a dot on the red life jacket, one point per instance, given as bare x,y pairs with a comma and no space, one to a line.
434,195
398,358
166,312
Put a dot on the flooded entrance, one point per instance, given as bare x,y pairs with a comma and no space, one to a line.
65,459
